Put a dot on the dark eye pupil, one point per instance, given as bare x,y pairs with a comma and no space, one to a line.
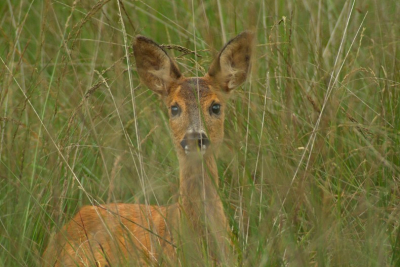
216,108
175,110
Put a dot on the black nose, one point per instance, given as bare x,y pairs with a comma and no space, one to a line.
193,141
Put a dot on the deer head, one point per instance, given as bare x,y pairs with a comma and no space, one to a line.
196,105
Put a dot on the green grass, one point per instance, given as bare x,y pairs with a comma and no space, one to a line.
312,140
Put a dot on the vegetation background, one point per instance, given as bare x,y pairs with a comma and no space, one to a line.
312,148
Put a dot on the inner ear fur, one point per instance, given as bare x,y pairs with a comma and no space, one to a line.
232,65
155,68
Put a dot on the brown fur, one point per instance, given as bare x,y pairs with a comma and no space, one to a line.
118,234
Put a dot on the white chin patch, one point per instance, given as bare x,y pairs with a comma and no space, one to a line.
189,151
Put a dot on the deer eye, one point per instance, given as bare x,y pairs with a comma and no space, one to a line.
175,110
215,109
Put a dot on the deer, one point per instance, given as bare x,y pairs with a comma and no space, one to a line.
119,234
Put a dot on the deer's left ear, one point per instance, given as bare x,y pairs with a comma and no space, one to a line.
156,69
230,69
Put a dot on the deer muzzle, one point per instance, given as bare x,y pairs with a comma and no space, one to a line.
195,142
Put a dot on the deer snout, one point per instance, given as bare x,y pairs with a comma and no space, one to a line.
195,141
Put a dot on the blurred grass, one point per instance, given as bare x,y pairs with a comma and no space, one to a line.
310,167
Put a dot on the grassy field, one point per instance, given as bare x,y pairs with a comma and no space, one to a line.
312,140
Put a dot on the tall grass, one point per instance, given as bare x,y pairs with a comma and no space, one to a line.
310,166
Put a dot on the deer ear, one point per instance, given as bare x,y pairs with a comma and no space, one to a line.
231,67
155,68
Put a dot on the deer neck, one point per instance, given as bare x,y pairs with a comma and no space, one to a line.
199,198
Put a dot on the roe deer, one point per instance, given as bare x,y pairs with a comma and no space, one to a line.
117,234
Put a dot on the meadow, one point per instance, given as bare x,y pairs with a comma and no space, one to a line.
310,166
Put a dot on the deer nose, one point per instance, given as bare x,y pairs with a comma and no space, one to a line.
195,142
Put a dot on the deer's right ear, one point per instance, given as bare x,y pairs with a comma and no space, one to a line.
156,69
231,67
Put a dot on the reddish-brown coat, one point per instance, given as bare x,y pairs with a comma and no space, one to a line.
119,234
